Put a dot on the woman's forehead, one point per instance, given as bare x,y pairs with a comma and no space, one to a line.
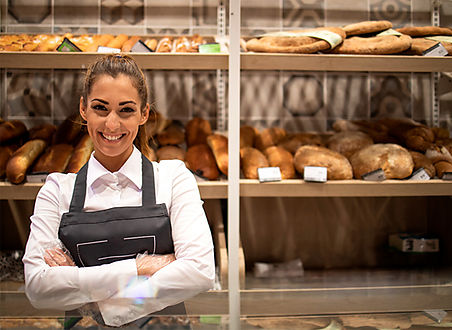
120,85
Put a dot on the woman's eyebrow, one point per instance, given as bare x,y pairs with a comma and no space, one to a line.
125,102
100,100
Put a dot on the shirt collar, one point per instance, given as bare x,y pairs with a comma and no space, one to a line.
130,170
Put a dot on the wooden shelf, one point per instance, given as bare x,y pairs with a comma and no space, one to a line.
158,61
333,62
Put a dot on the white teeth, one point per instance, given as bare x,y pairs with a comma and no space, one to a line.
112,137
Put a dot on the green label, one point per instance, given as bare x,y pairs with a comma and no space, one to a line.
389,32
441,38
209,48
68,46
332,38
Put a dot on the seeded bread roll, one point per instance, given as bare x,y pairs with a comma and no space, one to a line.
81,154
366,27
247,136
22,159
219,146
196,131
280,157
170,152
11,129
172,135
338,167
269,137
54,159
200,159
395,161
251,159
421,161
347,143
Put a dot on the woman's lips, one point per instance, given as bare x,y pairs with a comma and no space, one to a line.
111,137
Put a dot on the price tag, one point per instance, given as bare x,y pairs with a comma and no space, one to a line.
209,48
436,50
37,178
68,46
102,49
269,174
377,175
315,173
420,175
140,47
447,176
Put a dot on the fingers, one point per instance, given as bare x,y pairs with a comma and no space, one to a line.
56,257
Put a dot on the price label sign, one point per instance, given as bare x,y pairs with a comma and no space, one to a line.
447,176
436,50
102,49
420,175
315,174
269,174
377,175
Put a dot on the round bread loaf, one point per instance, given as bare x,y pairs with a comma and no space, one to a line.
422,161
292,142
420,45
338,167
196,131
170,152
219,146
366,27
420,31
379,45
348,142
269,137
395,161
251,159
280,157
200,159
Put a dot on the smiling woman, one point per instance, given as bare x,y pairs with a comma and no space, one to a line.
122,225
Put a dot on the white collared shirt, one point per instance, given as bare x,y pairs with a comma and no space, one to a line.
67,288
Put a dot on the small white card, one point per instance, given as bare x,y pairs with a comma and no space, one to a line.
436,50
102,49
420,175
377,175
37,178
315,173
140,47
268,174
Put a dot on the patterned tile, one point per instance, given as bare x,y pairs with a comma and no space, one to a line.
339,13
421,13
29,28
445,15
422,97
204,101
167,31
165,16
29,11
29,93
120,12
390,96
84,12
67,90
303,13
396,11
253,16
347,96
204,13
77,30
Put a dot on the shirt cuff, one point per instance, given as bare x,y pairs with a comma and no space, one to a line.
101,282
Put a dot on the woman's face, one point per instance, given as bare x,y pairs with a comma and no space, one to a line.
113,115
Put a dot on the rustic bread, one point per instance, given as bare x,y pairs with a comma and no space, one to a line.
196,131
55,159
170,152
156,123
22,159
280,157
420,45
366,27
348,142
422,161
338,167
443,167
44,132
10,130
395,161
251,159
174,134
247,136
291,142
269,137
81,154
421,31
378,45
200,159
219,146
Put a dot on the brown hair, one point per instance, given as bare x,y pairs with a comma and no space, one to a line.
114,65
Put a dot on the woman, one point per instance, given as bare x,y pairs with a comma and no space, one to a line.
118,196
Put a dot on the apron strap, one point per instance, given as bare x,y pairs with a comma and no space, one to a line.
78,196
148,189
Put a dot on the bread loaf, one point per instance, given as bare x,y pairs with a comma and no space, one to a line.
164,45
293,141
156,123
69,131
338,167
366,27
118,41
151,43
443,167
170,152
247,136
54,159
420,45
251,159
269,137
5,154
420,31
172,135
219,146
395,161
44,132
81,154
22,159
379,45
10,130
127,46
196,131
348,142
421,161
280,157
200,159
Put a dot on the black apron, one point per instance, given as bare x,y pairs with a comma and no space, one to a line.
118,233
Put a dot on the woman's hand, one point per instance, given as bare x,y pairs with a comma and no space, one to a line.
147,265
56,257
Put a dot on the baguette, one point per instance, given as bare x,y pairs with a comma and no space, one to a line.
11,129
54,159
219,146
22,159
81,154
44,132
68,131
251,159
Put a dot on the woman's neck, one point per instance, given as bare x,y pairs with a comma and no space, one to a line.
113,164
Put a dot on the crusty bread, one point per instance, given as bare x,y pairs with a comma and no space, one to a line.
44,132
302,44
200,159
172,135
280,157
395,161
443,167
219,146
164,45
420,45
196,131
379,45
10,130
81,154
54,159
22,159
338,167
69,131
118,41
366,27
269,137
421,161
247,136
251,159
420,31
127,46
170,152
348,142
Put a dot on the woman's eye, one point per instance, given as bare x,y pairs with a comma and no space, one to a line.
127,109
99,107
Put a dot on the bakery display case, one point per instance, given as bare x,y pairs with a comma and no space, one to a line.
323,245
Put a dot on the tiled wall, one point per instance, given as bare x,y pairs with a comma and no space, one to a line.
295,100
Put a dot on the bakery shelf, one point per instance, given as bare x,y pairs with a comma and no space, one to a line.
345,188
339,62
158,61
28,191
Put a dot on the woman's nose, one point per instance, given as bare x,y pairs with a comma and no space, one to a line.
112,121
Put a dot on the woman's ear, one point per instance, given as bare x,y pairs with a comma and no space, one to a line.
82,108
145,114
